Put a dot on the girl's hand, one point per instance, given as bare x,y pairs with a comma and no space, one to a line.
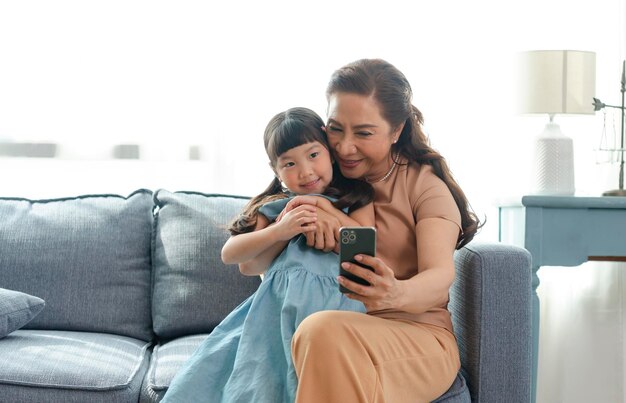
297,221
326,232
295,202
384,291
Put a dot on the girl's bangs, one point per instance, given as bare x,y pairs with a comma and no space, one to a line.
291,134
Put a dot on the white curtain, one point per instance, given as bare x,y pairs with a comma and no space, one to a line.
169,75
582,345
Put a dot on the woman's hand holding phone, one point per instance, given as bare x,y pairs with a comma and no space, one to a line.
384,291
362,276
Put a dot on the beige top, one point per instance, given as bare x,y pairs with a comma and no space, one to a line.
413,192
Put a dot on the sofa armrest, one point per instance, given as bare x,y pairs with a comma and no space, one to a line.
490,302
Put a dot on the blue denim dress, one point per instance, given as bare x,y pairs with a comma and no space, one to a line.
247,357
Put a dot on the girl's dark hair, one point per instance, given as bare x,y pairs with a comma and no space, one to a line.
393,94
286,130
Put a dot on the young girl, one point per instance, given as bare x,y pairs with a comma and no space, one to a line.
247,358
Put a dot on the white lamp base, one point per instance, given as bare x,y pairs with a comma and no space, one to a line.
554,162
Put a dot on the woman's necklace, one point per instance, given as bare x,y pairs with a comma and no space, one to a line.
393,166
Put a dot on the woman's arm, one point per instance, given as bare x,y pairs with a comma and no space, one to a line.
436,241
255,250
364,216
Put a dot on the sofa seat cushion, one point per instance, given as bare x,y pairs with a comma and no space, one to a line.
71,366
166,360
458,392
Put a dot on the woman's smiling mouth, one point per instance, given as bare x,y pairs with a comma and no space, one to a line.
349,163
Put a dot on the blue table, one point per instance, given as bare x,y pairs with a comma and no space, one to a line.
563,231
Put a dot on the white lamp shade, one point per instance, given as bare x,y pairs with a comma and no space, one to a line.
557,81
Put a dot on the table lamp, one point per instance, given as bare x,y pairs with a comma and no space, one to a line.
556,82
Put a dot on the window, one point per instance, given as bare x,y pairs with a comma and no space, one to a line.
186,88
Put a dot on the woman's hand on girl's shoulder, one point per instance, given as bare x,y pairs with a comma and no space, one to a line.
326,232
298,221
302,200
296,201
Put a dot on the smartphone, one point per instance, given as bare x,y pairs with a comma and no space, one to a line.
354,241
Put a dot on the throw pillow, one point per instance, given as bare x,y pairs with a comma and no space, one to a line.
17,309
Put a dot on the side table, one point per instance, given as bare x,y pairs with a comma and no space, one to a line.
563,231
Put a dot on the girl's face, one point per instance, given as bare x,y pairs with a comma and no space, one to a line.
305,169
359,136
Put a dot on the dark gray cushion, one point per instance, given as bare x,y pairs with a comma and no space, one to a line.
17,309
193,289
88,257
59,366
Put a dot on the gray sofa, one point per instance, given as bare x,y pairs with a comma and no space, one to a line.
133,284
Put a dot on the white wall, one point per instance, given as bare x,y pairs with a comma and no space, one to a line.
166,75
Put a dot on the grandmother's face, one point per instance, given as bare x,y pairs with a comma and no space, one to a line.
359,137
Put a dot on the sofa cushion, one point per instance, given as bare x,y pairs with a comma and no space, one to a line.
457,393
17,309
88,257
60,366
191,284
165,362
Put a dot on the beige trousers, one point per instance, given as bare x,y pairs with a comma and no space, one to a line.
349,357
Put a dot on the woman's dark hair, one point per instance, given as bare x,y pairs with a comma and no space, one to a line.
392,92
286,130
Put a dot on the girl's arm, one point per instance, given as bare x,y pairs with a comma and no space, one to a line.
258,247
255,250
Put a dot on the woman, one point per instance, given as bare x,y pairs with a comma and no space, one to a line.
404,349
